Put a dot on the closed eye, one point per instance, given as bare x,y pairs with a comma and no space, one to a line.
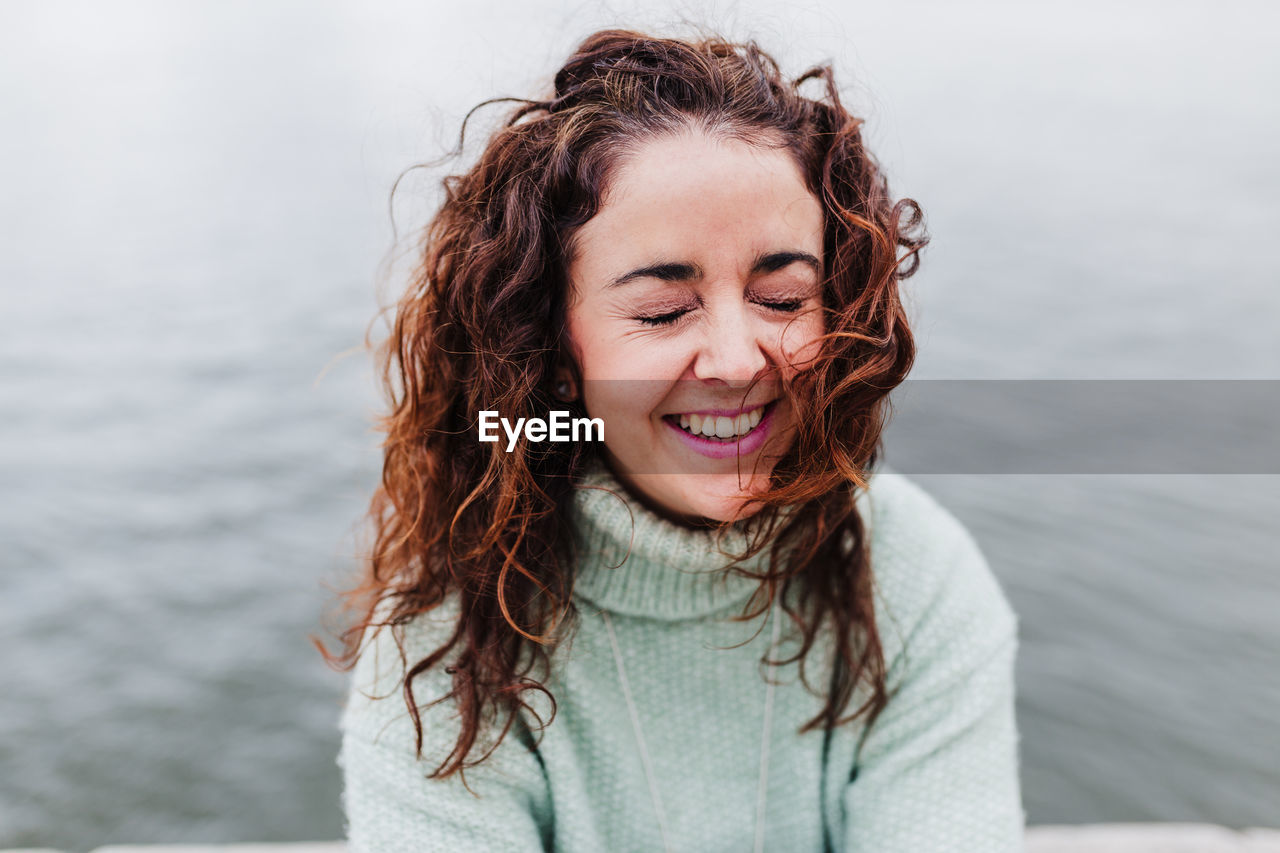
789,306
662,319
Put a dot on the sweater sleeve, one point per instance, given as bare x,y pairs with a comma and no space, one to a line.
938,770
391,805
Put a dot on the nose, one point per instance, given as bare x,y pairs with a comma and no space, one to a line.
732,350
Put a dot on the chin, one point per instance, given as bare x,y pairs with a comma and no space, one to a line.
694,498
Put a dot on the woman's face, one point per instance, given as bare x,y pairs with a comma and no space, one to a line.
700,273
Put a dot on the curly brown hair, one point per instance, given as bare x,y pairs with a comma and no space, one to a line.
482,326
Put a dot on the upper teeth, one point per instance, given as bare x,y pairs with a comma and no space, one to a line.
721,426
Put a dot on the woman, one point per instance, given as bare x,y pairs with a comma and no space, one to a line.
717,628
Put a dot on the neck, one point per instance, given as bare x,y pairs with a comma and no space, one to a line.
632,560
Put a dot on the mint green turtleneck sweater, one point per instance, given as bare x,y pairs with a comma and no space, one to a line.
662,711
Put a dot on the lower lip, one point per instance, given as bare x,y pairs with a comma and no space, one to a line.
744,446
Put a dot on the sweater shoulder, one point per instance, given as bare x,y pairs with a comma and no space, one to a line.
376,704
376,699
929,571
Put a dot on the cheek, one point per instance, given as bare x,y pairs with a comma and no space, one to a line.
627,407
611,351
592,347
594,342
801,340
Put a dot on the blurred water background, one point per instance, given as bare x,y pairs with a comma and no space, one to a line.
194,210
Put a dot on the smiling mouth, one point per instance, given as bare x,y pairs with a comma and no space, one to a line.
722,428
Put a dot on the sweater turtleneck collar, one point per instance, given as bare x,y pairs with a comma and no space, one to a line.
633,562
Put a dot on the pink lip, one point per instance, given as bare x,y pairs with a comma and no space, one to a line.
749,443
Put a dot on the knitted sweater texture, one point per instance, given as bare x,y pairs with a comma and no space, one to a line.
937,771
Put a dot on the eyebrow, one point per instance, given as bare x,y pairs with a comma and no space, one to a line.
685,271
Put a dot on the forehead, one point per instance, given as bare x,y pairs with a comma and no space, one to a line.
692,195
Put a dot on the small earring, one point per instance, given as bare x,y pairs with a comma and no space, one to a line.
562,390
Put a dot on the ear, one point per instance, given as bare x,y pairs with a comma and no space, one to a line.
564,376
564,385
